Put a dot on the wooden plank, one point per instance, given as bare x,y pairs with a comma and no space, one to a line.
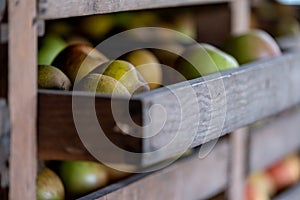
22,95
252,92
240,16
238,163
273,141
55,108
54,9
205,177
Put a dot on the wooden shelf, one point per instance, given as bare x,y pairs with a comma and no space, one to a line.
249,93
274,140
54,9
202,184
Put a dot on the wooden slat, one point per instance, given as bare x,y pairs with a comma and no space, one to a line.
54,9
273,141
22,97
189,178
238,163
58,138
240,16
253,91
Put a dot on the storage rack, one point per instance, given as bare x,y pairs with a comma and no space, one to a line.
253,92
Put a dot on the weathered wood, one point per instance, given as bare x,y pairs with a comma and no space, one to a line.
58,138
238,163
54,9
22,96
237,98
240,16
252,92
271,142
171,182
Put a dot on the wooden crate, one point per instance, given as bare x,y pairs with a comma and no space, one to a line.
252,92
187,178
22,86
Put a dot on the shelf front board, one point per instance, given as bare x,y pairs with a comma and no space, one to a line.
215,106
55,9
271,142
205,177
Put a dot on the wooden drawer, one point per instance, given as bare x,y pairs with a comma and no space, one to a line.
188,178
237,98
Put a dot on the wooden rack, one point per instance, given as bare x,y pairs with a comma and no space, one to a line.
253,92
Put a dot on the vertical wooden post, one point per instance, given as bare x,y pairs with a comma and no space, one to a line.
22,96
238,163
240,16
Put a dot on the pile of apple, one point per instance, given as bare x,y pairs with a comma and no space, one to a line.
82,67
281,175
73,179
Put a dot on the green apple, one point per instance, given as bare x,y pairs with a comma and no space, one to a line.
101,84
124,72
203,59
81,177
50,46
147,65
50,77
77,60
49,186
251,46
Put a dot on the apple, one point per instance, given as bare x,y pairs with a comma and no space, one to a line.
50,46
49,186
124,72
77,60
147,65
285,172
251,46
101,84
81,177
203,59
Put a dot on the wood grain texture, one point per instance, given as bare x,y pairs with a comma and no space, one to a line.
54,9
271,142
22,96
252,92
58,137
171,182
